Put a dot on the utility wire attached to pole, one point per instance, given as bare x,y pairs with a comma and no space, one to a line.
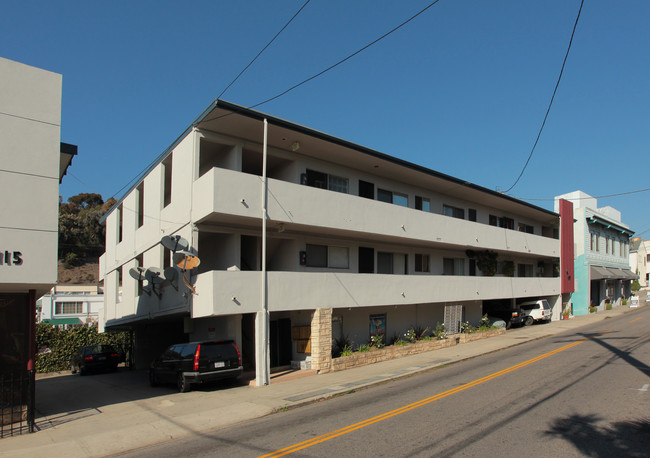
548,110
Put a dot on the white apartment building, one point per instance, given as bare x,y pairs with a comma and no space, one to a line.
356,242
71,305
639,260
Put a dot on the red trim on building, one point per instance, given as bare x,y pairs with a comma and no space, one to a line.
567,254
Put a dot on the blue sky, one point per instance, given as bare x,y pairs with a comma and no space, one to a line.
462,89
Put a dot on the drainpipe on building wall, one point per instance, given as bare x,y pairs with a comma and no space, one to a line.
262,362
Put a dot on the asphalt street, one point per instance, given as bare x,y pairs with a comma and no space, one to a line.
578,393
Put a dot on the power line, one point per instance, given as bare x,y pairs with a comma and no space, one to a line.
548,110
590,197
331,67
137,177
263,49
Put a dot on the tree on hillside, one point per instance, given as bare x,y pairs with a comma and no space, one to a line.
80,232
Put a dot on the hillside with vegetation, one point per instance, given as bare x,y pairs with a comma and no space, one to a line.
81,238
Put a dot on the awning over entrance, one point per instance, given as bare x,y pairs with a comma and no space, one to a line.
58,321
611,273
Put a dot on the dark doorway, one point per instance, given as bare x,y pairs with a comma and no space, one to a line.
366,260
280,342
248,341
595,293
366,189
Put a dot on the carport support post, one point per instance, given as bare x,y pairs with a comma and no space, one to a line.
262,321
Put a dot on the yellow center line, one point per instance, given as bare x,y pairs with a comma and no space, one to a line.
420,403
635,320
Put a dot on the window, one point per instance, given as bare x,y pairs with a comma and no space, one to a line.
120,222
118,289
422,262
322,180
493,220
597,242
139,263
454,212
472,267
422,203
167,258
471,214
167,180
140,196
338,184
506,223
391,263
316,255
64,308
593,241
338,257
524,270
453,266
521,227
366,189
324,256
392,197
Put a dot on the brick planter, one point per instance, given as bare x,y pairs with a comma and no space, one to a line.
398,351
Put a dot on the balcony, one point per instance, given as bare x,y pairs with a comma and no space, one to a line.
229,197
227,292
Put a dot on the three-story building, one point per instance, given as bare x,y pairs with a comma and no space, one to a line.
356,242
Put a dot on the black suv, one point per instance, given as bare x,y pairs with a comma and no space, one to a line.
196,362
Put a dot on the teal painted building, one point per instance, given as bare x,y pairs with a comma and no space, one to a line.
602,245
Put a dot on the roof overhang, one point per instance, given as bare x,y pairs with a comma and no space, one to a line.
244,123
68,152
611,273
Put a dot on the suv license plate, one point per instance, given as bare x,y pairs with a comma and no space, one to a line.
219,364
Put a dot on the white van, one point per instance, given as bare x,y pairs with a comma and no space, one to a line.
536,311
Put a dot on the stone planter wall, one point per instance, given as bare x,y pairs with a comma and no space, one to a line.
395,351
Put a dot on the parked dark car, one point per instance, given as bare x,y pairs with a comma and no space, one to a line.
98,357
197,362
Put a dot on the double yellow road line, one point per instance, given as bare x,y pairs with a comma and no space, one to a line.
409,407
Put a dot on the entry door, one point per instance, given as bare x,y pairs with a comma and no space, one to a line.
280,342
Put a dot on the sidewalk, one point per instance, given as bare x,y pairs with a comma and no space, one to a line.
133,415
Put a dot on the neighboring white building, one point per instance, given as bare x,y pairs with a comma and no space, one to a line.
355,239
71,305
639,260
33,161
602,247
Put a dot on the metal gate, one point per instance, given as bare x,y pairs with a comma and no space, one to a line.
453,318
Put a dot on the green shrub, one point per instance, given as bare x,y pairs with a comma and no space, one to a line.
485,321
72,260
623,301
400,342
347,350
55,346
608,306
340,345
467,328
593,309
377,341
440,333
636,286
364,348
